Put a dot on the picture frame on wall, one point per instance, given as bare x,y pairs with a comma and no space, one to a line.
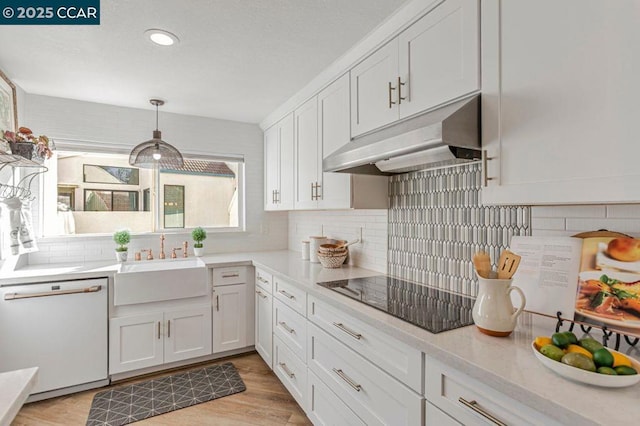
8,108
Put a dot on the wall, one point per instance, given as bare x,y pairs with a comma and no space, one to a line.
570,220
108,125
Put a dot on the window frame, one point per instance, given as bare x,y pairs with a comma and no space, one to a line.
112,191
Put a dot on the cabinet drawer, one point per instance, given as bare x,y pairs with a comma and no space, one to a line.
433,416
230,275
373,395
291,328
449,389
291,371
325,408
292,295
398,359
264,280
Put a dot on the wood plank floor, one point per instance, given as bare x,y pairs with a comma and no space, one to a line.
265,402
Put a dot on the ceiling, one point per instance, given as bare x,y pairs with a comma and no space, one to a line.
236,60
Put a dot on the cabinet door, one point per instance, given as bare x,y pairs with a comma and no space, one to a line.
306,127
271,166
439,56
325,408
135,342
373,100
287,142
264,339
560,125
188,333
333,133
229,317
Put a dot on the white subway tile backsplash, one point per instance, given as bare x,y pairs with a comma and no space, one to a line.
568,211
549,223
629,226
623,211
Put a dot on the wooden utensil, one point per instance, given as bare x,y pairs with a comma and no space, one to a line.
508,264
482,263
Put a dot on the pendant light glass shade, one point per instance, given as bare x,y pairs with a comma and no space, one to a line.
156,152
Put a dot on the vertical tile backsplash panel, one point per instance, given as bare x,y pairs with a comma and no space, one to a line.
436,224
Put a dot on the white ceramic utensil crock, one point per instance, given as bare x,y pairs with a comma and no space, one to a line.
493,312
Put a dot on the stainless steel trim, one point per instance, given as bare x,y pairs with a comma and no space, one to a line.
168,328
15,296
347,379
474,406
346,330
290,296
286,369
259,293
286,327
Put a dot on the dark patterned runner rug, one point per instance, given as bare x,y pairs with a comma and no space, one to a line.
127,404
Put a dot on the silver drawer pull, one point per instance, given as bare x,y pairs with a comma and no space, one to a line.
346,330
262,280
231,276
475,407
347,379
259,293
15,296
286,327
290,296
286,370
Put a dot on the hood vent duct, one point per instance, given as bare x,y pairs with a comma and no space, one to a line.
445,136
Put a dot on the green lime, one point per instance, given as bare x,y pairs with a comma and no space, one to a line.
573,340
590,344
561,340
607,370
553,352
603,358
578,360
624,370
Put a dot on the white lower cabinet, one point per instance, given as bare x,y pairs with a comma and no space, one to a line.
433,416
471,402
229,319
373,395
154,338
324,408
291,328
291,370
263,325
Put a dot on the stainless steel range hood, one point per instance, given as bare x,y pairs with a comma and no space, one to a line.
441,137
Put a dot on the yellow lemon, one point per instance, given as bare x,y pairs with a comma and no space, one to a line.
619,359
542,341
579,350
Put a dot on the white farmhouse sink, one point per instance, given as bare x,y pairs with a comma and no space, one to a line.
158,280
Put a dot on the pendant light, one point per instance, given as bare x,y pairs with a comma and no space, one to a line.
156,152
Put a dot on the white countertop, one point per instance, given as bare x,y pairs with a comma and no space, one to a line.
16,386
507,364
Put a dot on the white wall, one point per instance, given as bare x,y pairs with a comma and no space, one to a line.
111,125
345,225
570,220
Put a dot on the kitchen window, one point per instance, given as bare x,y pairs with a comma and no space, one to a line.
99,192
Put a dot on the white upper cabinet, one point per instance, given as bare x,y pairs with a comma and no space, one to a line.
432,62
560,101
278,165
321,127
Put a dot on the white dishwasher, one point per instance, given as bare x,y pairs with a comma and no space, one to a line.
60,327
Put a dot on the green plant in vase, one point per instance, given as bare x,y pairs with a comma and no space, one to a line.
199,235
122,238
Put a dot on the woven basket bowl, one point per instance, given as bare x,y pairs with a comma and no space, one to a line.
332,261
332,249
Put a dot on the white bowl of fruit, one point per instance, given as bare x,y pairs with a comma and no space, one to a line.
586,360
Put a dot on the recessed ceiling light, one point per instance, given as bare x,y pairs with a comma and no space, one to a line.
161,37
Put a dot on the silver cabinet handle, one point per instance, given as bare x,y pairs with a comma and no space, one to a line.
485,168
168,328
15,296
262,280
286,370
318,196
475,407
236,275
347,379
400,97
391,102
217,303
259,293
286,327
278,200
313,197
284,293
346,330
158,330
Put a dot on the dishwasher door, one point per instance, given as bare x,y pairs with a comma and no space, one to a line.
60,327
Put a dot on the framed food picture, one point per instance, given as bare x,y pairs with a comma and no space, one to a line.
8,107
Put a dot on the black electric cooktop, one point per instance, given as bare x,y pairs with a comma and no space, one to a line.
427,307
